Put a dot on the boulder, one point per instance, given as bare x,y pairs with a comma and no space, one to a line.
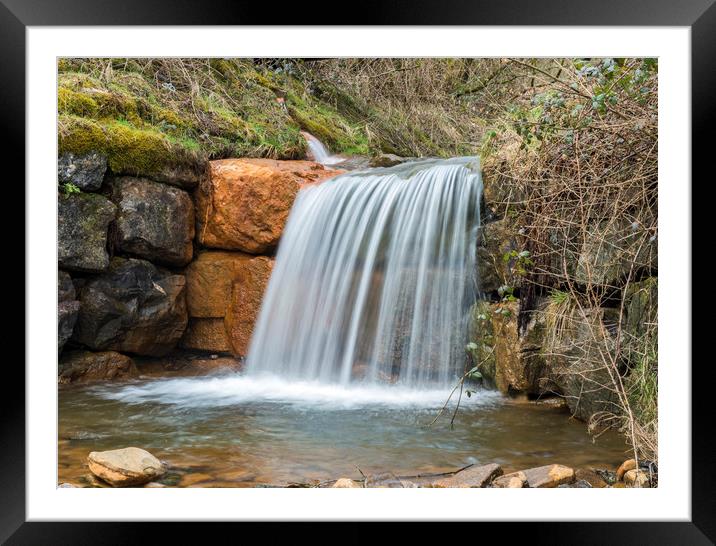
84,171
206,334
612,248
513,363
636,478
629,464
246,295
86,366
125,467
67,309
243,204
514,480
474,476
590,477
82,221
579,364
134,307
154,221
551,475
346,483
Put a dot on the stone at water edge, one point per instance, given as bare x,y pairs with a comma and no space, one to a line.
125,467
384,480
475,476
515,480
346,483
551,475
86,366
636,478
629,464
591,477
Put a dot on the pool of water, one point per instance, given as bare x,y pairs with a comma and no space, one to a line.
229,430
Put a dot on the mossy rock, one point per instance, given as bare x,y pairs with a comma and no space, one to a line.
129,150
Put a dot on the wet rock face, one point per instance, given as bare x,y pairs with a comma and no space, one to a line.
82,224
243,204
495,240
224,294
246,296
154,221
86,366
134,307
84,171
67,309
513,363
125,467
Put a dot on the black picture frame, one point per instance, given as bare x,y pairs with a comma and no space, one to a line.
699,15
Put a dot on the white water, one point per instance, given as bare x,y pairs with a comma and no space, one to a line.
319,152
235,390
373,280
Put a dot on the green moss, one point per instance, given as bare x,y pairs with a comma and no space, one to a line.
129,149
72,102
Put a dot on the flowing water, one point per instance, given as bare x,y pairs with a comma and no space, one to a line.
359,342
374,278
319,152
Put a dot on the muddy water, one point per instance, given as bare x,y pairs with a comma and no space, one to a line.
232,431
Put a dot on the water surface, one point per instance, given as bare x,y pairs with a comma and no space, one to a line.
230,430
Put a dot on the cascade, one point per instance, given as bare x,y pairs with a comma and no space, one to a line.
374,277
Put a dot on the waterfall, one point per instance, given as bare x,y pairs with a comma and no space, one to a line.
374,277
319,152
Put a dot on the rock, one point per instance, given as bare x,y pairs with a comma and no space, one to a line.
210,279
383,480
206,334
549,476
84,171
387,160
577,367
86,366
474,476
125,467
501,194
67,309
134,307
346,483
66,485
496,240
246,296
636,478
591,477
513,363
629,464
243,204
154,221
183,175
511,481
611,247
82,221
641,302
579,484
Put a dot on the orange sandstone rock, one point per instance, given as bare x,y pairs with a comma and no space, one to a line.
246,295
243,204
